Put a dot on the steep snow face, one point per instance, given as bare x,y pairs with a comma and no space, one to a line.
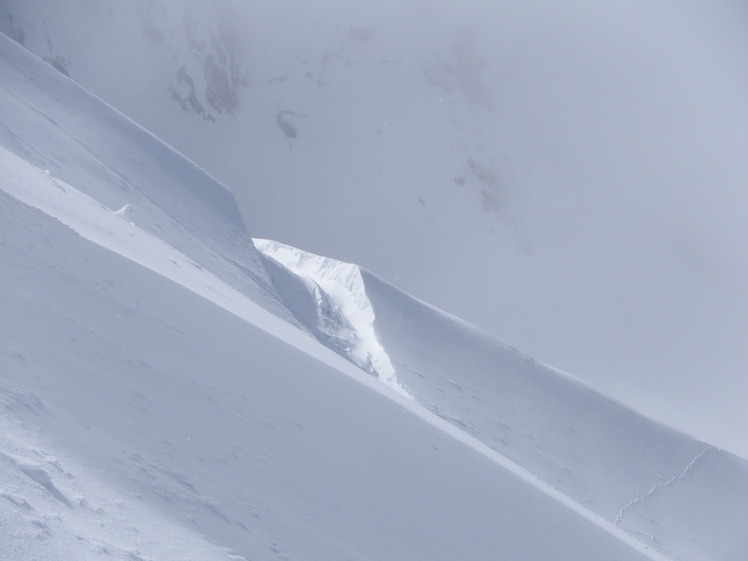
142,421
584,164
638,474
153,407
627,469
343,318
115,231
58,127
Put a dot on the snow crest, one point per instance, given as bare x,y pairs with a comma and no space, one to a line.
344,318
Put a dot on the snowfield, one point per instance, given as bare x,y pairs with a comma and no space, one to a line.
123,387
595,452
169,392
569,178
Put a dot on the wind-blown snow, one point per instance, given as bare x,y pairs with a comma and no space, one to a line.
599,455
585,165
114,231
344,319
225,431
159,399
82,141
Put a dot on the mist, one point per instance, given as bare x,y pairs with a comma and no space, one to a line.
568,176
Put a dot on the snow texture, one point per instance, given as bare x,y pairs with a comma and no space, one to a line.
572,180
227,431
600,455
343,318
166,392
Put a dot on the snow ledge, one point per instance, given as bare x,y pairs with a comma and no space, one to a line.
344,317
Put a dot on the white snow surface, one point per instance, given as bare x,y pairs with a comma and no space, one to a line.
82,141
221,428
600,454
592,450
159,400
344,316
584,164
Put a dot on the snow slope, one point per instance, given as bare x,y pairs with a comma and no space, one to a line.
160,404
584,162
632,471
82,141
133,431
151,410
610,459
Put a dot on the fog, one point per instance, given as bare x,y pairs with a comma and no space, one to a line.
601,227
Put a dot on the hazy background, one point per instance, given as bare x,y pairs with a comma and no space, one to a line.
571,176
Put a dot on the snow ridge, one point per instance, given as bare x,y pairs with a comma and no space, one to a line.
345,316
662,485
343,291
